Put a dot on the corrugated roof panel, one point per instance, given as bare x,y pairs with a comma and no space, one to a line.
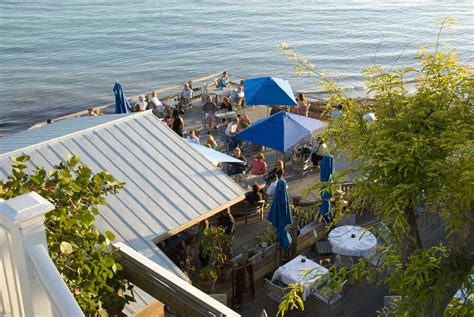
169,185
51,131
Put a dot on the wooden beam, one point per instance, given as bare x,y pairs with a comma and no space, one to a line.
198,219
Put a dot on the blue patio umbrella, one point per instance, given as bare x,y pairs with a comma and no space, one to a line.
121,103
327,169
280,214
268,91
280,131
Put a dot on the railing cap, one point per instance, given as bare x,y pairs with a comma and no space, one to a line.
24,207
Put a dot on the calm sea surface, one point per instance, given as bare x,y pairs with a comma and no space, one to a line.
61,57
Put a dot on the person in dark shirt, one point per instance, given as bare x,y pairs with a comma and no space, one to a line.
255,195
226,104
237,168
226,221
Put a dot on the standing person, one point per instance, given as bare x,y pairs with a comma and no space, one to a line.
237,168
318,153
303,105
177,123
230,132
185,97
192,137
258,166
208,112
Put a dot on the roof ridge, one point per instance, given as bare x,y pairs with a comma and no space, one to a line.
100,125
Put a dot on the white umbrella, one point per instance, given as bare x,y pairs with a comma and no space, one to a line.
212,155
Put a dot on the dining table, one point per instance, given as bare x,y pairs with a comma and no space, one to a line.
302,270
353,241
223,114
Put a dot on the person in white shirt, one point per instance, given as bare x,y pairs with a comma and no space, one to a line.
192,137
141,103
230,132
156,104
318,152
337,113
270,190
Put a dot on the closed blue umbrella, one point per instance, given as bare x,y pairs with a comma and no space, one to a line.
121,103
280,214
327,169
280,131
268,91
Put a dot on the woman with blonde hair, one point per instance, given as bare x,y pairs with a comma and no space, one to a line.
211,142
303,105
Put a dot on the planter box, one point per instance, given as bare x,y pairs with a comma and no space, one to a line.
268,251
238,259
257,257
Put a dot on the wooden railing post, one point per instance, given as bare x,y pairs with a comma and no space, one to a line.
22,221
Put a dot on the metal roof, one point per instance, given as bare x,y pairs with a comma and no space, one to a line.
169,186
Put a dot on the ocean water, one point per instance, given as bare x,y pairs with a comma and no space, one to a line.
59,57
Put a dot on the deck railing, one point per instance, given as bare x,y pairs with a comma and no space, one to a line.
169,289
30,284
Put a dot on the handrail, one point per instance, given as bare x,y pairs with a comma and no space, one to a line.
52,283
167,287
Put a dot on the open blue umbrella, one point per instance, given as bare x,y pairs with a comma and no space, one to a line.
121,103
280,131
280,214
268,91
327,169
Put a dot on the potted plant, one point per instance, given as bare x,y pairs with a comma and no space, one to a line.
215,244
267,241
207,277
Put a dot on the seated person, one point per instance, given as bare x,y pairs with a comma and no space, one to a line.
223,81
255,195
155,104
141,103
338,112
225,104
237,168
230,132
279,166
211,142
258,166
192,137
91,112
208,110
226,221
185,96
319,151
270,190
244,122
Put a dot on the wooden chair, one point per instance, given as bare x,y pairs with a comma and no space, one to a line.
245,209
347,220
274,291
330,300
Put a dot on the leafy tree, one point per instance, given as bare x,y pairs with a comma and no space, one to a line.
83,255
416,155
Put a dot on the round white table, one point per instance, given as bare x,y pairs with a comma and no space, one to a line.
353,241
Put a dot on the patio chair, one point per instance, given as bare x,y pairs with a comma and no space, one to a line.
301,165
323,247
347,220
330,300
274,290
204,94
382,233
245,209
344,261
389,303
